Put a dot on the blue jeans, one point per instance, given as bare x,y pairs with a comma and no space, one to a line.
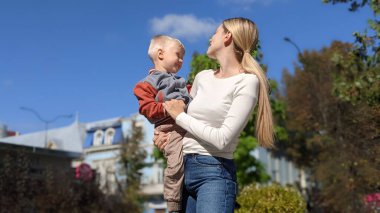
210,184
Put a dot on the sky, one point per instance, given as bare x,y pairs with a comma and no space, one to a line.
83,57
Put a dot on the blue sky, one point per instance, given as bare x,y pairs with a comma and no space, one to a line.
85,56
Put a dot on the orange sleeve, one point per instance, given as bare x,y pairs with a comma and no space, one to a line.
148,106
189,86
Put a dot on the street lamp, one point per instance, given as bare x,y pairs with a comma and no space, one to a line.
294,44
46,122
302,175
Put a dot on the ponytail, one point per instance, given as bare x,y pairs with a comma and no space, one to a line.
264,119
245,38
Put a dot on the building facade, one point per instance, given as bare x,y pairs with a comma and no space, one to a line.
98,144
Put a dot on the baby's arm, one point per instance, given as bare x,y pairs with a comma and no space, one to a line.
148,106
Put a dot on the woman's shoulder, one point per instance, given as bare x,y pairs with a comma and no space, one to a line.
248,82
204,73
247,79
250,77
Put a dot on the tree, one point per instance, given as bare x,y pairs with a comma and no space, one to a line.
356,4
309,105
338,140
132,159
357,78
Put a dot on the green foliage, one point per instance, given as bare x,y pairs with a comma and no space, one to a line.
132,159
248,169
326,131
310,106
270,199
357,78
278,106
158,155
332,114
200,62
357,4
351,159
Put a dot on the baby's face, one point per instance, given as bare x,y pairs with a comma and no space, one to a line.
173,57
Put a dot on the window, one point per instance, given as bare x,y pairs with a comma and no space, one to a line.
98,137
109,135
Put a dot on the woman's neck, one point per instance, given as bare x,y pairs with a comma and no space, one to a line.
229,66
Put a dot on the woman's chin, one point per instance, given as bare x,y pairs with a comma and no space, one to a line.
210,55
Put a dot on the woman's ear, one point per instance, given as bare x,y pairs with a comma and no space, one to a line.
228,38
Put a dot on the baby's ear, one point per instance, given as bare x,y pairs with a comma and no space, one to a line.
160,54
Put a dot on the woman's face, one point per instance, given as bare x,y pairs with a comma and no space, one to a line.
216,42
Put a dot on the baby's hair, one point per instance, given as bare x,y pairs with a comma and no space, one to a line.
160,42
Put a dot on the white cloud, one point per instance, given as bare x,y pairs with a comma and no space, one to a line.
186,27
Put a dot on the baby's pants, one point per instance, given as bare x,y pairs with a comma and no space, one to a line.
174,173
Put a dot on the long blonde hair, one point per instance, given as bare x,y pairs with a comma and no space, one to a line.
245,38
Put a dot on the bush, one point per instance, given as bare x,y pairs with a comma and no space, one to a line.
273,199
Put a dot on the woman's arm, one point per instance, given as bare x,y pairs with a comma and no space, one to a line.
243,103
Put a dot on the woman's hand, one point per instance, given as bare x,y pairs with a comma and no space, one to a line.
174,107
160,139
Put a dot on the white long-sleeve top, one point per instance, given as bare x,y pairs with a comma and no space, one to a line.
218,113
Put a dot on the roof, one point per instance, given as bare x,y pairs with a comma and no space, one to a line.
68,139
72,138
104,123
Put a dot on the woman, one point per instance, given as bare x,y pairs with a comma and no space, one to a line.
223,101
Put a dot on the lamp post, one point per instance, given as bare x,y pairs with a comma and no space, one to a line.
294,44
45,121
302,175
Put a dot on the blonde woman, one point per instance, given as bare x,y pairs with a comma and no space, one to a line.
223,101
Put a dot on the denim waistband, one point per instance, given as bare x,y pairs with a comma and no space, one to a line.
211,156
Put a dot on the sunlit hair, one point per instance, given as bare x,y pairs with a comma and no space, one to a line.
245,38
161,42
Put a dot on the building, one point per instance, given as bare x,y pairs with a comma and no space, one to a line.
57,152
96,144
101,150
4,132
